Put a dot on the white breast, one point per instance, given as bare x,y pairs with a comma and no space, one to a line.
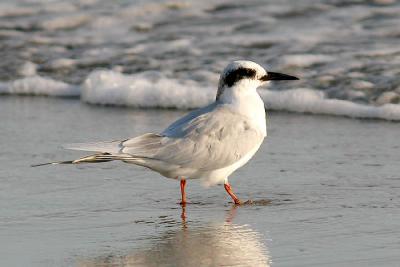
244,99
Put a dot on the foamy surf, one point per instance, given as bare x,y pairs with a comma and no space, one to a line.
37,85
155,90
312,101
144,90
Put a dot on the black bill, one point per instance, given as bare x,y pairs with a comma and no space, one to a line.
274,76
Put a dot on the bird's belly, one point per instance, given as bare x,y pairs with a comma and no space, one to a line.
220,175
209,177
170,170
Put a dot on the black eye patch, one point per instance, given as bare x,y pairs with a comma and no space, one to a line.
232,77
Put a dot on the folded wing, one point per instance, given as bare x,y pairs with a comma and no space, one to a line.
208,140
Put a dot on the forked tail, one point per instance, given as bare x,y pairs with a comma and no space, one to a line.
95,158
139,148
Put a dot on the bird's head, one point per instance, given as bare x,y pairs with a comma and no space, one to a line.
247,75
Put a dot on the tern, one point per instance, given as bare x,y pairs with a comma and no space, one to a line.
209,143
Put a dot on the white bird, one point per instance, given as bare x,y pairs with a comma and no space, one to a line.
209,143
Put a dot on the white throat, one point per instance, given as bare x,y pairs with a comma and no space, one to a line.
244,99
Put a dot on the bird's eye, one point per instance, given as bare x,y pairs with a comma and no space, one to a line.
241,73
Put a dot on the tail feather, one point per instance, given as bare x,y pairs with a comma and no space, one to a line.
53,163
95,158
112,147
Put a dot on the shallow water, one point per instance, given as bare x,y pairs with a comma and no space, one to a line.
325,192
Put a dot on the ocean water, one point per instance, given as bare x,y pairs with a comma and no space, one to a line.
325,189
325,192
168,54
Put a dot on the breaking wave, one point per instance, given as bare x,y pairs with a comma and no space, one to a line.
155,90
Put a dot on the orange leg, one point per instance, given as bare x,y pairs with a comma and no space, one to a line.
183,184
228,189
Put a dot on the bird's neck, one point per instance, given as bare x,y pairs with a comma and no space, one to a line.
244,100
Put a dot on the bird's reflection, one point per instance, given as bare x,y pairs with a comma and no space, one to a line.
223,244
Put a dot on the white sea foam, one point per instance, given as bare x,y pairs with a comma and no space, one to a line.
325,43
305,60
61,63
155,90
27,69
313,101
145,90
10,10
37,85
66,22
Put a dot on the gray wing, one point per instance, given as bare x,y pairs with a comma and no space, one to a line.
207,139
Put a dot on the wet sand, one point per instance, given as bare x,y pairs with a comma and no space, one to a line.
325,191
